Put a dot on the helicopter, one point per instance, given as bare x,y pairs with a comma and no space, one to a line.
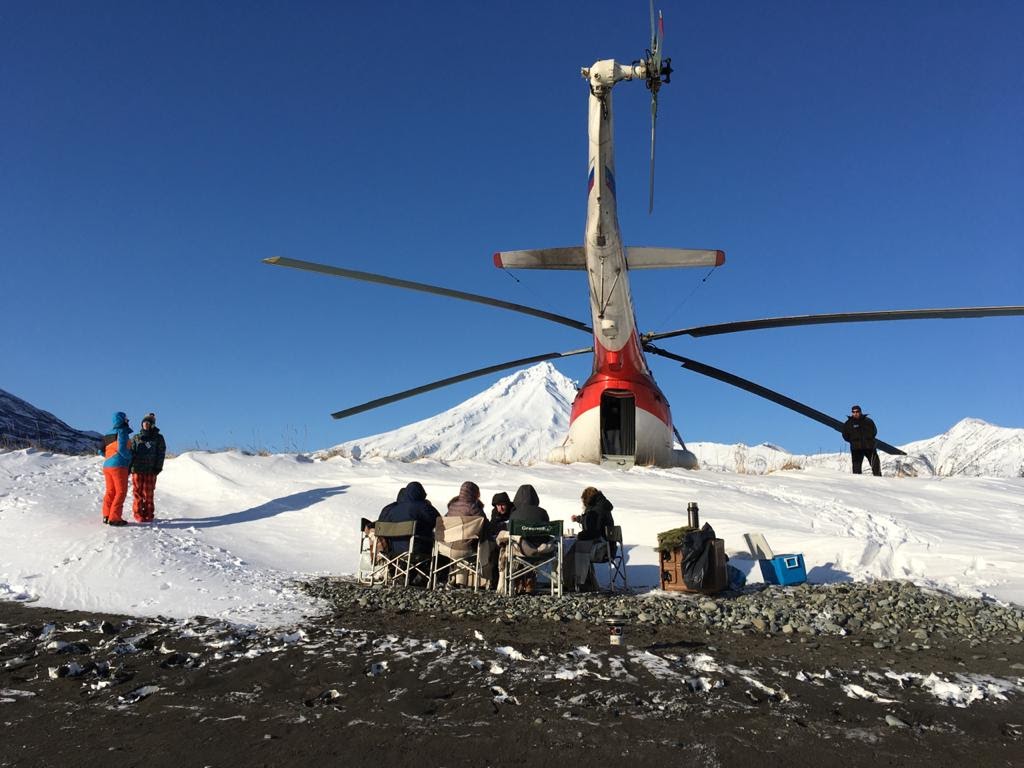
620,416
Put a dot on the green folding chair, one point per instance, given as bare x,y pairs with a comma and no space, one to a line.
534,549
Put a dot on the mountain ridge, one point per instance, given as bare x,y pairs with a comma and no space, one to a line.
970,447
22,425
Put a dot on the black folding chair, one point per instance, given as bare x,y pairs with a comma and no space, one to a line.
615,556
534,549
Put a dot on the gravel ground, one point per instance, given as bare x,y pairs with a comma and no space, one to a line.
847,674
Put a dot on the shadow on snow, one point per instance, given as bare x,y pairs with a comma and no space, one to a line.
293,503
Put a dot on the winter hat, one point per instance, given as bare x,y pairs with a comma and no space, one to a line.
469,490
120,418
150,417
501,498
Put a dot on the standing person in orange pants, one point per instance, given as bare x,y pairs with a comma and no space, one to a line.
118,453
148,449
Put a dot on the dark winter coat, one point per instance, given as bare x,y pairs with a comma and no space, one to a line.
528,510
860,433
467,503
148,450
596,518
412,504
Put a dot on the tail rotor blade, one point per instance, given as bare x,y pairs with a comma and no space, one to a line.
654,119
654,34
654,84
659,49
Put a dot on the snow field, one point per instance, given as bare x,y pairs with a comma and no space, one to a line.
235,532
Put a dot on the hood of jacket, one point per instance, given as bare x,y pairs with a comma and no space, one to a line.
526,497
414,491
469,491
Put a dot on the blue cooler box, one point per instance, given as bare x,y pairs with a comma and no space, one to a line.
784,570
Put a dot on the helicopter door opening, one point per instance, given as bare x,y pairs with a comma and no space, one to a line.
618,426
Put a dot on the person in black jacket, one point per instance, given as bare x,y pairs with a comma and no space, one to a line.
591,544
860,431
597,516
501,510
527,509
412,504
148,451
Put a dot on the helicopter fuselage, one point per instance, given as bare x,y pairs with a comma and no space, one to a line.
619,412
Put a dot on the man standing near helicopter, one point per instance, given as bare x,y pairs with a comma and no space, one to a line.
859,431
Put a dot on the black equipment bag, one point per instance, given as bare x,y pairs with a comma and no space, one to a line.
698,558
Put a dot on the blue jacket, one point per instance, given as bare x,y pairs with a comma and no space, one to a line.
116,443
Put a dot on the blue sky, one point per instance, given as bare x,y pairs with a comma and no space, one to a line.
846,156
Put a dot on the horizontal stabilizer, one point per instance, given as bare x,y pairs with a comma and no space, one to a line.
542,258
659,258
636,258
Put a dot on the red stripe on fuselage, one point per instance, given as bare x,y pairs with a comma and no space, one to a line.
624,370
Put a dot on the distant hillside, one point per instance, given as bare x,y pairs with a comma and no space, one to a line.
22,425
521,417
971,448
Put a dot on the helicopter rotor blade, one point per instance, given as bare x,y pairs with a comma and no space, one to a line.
842,317
380,401
282,261
768,394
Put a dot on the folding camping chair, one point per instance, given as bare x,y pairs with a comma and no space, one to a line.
616,562
534,548
393,566
366,571
456,550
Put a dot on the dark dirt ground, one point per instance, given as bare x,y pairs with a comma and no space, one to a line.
375,688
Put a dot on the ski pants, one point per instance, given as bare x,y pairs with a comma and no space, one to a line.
117,489
858,457
143,488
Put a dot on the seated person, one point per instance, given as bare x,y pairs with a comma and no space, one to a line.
412,504
467,504
501,509
527,509
591,544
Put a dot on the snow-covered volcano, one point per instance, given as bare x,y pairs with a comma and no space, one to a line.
22,425
515,421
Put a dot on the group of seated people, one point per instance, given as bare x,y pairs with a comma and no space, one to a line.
590,546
